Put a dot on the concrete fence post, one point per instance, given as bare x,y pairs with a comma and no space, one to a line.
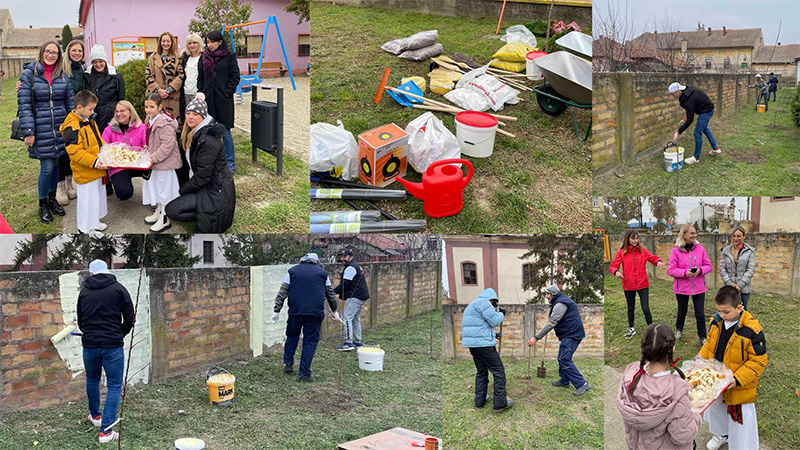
159,340
374,296
409,288
448,332
625,120
795,268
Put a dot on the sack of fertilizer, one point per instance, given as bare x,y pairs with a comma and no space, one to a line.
468,99
495,91
421,54
413,42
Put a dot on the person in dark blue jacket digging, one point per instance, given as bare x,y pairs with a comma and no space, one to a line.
565,319
307,286
478,335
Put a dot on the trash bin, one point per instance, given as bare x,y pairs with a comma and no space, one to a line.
266,125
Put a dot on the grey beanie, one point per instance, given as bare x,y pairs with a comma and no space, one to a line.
553,290
198,106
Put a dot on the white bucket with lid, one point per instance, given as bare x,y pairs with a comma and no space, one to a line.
475,131
189,444
531,69
673,160
370,358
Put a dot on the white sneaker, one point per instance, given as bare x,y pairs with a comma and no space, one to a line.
102,227
162,224
105,438
703,342
717,442
95,234
678,335
715,152
691,160
96,421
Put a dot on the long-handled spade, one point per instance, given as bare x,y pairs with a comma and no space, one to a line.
541,371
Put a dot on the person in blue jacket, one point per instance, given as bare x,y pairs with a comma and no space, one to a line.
307,286
478,335
565,319
45,98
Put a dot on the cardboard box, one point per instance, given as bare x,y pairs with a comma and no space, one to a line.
382,155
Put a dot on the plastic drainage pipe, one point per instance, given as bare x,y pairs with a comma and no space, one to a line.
369,227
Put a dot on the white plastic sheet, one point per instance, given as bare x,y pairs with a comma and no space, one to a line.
429,140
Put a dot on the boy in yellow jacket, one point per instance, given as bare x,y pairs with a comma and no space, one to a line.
83,142
736,339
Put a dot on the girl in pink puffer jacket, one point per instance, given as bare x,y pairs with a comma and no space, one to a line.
654,403
688,265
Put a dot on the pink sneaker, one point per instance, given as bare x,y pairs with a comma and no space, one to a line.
715,152
96,421
110,436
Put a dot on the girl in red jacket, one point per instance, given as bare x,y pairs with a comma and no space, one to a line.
630,266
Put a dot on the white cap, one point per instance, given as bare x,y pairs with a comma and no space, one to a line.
98,266
98,52
675,87
758,75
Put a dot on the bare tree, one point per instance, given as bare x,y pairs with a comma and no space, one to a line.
612,29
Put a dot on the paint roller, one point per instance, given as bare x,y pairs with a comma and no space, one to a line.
61,335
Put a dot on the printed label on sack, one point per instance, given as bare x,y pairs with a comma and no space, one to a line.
328,193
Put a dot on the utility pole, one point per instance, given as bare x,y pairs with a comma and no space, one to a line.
702,215
748,209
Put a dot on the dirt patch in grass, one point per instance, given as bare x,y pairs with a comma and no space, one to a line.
749,155
326,400
525,389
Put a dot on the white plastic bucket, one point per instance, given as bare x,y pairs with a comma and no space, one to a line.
673,160
370,359
531,69
477,142
189,444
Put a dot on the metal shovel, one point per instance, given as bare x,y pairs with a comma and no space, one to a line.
541,371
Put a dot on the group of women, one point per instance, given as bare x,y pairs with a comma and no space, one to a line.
203,69
688,265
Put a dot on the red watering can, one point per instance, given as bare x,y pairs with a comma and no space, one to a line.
442,187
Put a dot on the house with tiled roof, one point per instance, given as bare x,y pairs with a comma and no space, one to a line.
711,51
612,56
25,42
781,59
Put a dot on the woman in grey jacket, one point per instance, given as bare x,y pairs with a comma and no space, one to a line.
738,263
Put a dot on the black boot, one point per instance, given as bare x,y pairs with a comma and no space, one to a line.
109,189
44,211
55,208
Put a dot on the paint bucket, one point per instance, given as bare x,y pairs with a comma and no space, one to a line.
475,131
673,160
370,358
220,386
419,81
531,69
189,444
762,108
431,443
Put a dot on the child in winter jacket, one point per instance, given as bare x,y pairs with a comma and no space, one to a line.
162,142
688,265
632,259
654,403
83,142
737,340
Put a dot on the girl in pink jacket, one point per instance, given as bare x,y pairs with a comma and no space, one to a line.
162,142
688,265
127,127
654,403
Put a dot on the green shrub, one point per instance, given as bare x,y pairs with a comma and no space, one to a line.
794,106
135,85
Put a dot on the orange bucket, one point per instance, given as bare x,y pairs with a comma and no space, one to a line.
762,108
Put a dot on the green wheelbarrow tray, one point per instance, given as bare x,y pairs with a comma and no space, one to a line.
554,104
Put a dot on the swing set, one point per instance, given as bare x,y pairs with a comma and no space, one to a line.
250,80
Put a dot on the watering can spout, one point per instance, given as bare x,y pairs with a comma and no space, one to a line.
414,189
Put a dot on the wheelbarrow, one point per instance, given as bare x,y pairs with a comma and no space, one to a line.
568,83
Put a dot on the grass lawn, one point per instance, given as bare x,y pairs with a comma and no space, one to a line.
543,416
265,203
271,409
538,182
744,167
777,402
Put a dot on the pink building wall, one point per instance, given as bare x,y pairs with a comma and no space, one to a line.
107,19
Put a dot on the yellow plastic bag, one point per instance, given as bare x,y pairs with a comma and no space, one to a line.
513,52
508,65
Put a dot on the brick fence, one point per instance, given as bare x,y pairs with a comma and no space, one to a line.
633,115
518,327
777,259
198,317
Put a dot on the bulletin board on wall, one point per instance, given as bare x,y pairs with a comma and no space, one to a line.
127,48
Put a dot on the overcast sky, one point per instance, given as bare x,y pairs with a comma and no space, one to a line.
685,204
732,14
43,13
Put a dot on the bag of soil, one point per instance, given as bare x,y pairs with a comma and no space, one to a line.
413,42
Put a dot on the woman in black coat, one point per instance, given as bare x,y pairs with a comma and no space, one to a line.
209,197
217,78
104,81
